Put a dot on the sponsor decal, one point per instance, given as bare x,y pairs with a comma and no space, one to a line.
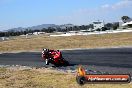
82,77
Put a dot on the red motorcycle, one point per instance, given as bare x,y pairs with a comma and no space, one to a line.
54,57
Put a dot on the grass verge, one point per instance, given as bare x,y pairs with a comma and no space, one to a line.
45,78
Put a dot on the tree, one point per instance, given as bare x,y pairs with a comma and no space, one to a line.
109,26
115,25
104,29
124,18
98,29
50,30
2,34
74,28
43,29
91,26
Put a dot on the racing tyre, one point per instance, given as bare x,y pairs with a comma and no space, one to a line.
66,63
80,80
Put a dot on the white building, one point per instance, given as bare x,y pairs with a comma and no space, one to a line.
98,25
38,33
127,23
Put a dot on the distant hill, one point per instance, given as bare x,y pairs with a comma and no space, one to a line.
16,29
39,27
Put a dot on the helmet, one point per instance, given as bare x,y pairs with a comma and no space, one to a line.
45,50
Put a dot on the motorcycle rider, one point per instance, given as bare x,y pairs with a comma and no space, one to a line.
53,54
45,53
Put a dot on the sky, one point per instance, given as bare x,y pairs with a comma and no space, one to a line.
26,13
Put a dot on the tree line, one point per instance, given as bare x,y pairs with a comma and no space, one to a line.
107,26
46,30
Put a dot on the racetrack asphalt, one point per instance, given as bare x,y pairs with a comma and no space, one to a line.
111,60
